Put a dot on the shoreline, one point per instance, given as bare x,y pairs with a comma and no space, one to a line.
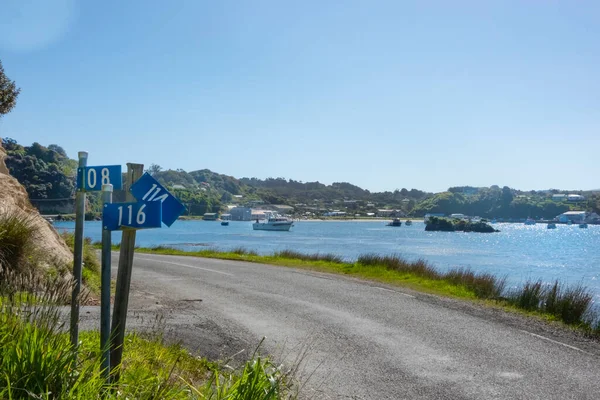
461,284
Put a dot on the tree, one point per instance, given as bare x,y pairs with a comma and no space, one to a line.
8,93
154,169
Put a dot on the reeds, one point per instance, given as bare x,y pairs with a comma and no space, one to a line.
569,304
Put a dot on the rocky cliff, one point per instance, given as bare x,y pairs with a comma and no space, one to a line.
13,198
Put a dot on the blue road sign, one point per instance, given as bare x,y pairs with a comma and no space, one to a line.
116,216
147,189
90,179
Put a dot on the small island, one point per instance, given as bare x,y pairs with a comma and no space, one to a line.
457,225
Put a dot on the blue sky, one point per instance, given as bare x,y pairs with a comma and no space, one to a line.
382,94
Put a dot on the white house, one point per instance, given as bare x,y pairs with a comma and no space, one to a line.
573,216
575,197
559,197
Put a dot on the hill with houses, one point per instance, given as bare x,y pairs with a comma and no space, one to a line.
49,176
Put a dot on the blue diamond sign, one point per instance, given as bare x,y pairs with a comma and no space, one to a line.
148,190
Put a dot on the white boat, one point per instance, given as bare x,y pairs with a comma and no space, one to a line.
273,224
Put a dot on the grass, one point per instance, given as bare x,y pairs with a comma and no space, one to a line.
571,305
37,360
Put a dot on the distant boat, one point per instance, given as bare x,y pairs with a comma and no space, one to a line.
225,223
408,222
395,222
583,226
551,225
529,221
273,224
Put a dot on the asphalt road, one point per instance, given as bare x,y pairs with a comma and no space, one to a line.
359,340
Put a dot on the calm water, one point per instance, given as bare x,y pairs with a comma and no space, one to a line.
567,253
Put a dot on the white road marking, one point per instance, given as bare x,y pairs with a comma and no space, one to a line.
556,342
393,291
185,265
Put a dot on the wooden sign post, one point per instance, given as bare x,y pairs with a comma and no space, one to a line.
134,172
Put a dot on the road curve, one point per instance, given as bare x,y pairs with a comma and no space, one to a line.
362,340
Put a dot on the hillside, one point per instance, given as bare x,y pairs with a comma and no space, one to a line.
47,173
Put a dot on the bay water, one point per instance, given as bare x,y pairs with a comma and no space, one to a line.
519,252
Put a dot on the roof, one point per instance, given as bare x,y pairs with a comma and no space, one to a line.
573,213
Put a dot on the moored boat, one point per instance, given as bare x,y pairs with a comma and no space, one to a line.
395,222
529,221
551,225
224,223
408,222
273,224
583,226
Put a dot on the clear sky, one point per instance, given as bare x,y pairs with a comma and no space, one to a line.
382,94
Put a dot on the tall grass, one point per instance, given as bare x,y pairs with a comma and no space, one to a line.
37,357
242,251
16,231
483,285
296,255
571,304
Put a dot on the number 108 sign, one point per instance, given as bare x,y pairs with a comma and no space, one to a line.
90,179
117,216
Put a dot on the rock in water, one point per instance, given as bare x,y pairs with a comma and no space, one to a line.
14,199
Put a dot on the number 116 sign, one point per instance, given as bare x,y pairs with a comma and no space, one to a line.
117,216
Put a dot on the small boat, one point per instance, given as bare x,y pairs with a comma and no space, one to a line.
551,225
395,222
225,223
583,226
529,221
408,222
273,224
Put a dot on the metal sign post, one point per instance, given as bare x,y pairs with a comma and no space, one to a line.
78,253
105,289
90,179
